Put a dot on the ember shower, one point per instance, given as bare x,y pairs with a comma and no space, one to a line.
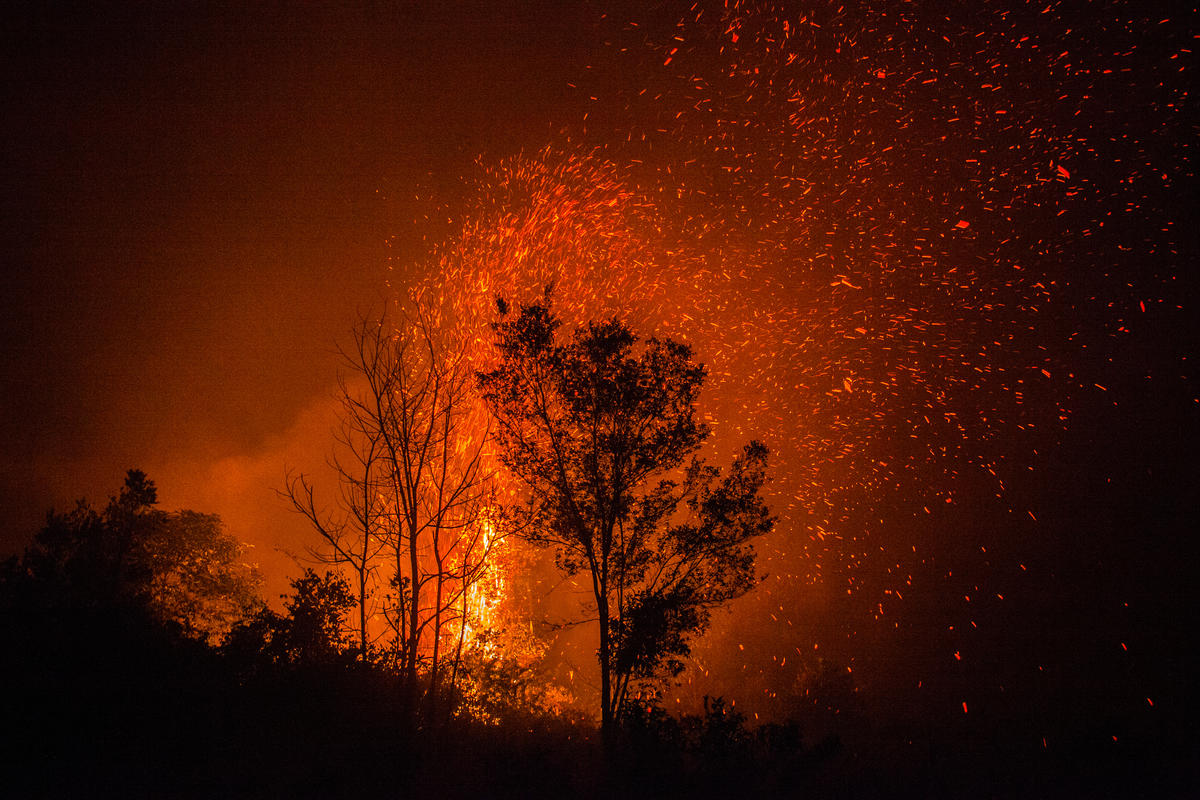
938,257
866,222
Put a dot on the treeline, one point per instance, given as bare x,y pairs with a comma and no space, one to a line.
140,661
140,658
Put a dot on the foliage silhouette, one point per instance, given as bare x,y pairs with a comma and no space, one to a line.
105,696
310,634
602,431
181,567
107,620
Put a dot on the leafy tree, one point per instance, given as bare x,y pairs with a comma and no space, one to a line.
315,618
602,431
310,633
181,567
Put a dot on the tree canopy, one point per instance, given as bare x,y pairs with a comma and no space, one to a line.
602,431
181,567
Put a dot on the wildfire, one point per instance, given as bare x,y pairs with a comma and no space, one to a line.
484,596
851,240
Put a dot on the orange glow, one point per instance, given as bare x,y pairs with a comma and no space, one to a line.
485,595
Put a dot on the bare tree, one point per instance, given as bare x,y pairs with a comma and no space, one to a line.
414,488
354,540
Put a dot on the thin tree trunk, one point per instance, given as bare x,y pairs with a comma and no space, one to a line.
362,615
414,620
462,636
606,710
437,641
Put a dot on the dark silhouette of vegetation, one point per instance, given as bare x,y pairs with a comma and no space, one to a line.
132,669
712,754
603,433
310,634
179,567
108,621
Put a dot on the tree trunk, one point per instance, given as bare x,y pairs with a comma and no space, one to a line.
410,667
462,637
607,721
437,641
362,615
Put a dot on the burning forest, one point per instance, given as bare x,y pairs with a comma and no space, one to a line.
621,400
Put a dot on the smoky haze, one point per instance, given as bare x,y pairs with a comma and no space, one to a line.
199,200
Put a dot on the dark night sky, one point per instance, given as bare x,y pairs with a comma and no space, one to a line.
197,201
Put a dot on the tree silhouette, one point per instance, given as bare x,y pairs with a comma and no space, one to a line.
181,567
309,634
409,515
602,431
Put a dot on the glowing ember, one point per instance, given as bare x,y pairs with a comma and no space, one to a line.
849,236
